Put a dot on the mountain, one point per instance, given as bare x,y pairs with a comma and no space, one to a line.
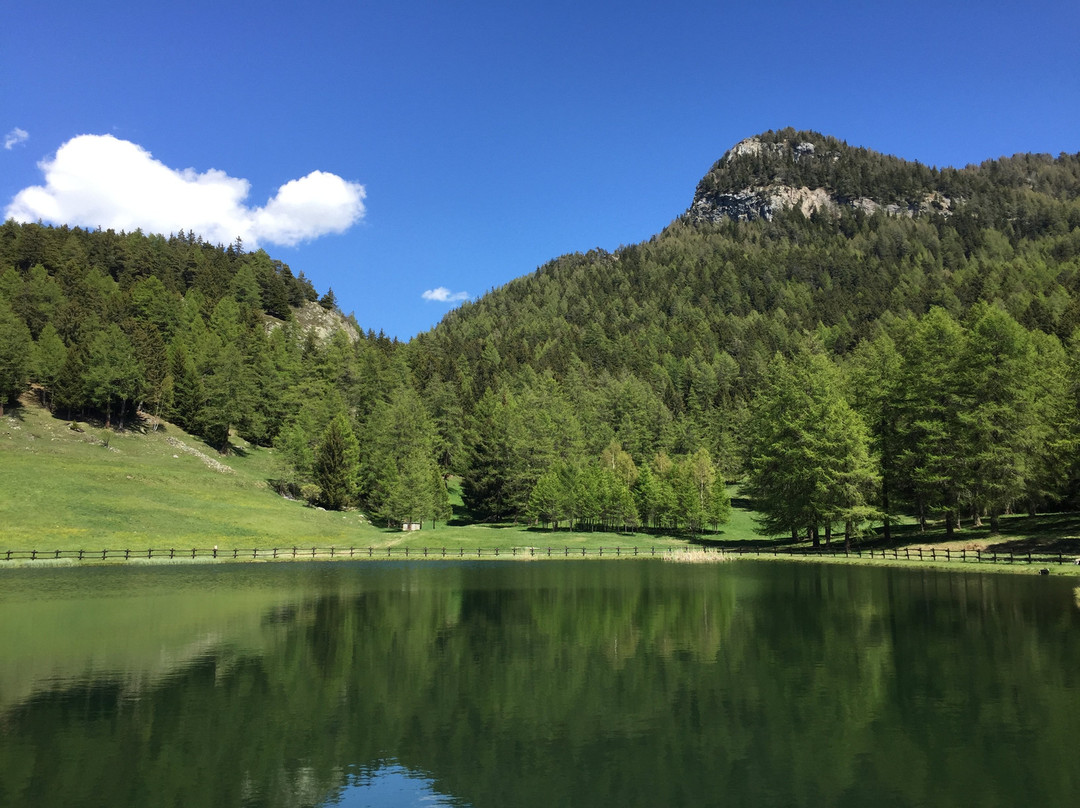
789,233
861,298
766,174
792,239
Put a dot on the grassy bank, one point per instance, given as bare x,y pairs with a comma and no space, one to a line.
78,486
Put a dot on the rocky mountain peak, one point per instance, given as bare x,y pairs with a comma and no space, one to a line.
765,174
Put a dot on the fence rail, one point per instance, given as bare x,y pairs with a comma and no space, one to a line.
615,551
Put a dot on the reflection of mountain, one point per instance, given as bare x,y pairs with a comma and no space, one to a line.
576,684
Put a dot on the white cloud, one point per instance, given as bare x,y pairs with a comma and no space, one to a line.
15,137
444,295
101,181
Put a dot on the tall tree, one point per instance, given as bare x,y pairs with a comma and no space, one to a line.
401,480
50,354
337,464
998,423
113,374
808,462
874,381
928,424
15,347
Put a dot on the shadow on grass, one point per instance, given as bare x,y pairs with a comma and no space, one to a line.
15,411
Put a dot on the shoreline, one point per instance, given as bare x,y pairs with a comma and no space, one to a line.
1067,566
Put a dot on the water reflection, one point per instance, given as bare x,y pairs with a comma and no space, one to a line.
624,683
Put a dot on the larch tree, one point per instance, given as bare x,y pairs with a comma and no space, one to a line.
15,354
336,464
807,453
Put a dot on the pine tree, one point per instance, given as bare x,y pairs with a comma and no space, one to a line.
928,423
336,464
401,480
809,465
15,354
998,423
113,373
874,382
50,354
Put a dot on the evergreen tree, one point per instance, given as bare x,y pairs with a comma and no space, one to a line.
808,460
874,382
998,424
336,464
401,480
552,498
15,354
928,424
112,372
50,354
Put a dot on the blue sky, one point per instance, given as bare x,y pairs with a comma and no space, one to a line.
392,149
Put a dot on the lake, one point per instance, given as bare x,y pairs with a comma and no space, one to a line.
547,683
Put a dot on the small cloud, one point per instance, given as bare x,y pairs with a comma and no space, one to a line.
102,181
444,295
15,137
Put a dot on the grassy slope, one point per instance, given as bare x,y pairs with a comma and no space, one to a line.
64,489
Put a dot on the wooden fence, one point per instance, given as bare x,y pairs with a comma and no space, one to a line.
287,553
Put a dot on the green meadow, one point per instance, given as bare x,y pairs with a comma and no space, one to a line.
74,485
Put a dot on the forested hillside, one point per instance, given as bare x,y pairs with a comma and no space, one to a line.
850,335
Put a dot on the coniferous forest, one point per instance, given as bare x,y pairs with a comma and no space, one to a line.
851,337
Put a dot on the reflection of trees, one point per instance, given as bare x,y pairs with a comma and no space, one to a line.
589,684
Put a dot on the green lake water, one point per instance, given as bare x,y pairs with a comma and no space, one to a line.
623,683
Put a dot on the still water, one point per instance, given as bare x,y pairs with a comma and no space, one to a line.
620,683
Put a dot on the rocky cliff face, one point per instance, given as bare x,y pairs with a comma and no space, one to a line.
323,323
760,177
